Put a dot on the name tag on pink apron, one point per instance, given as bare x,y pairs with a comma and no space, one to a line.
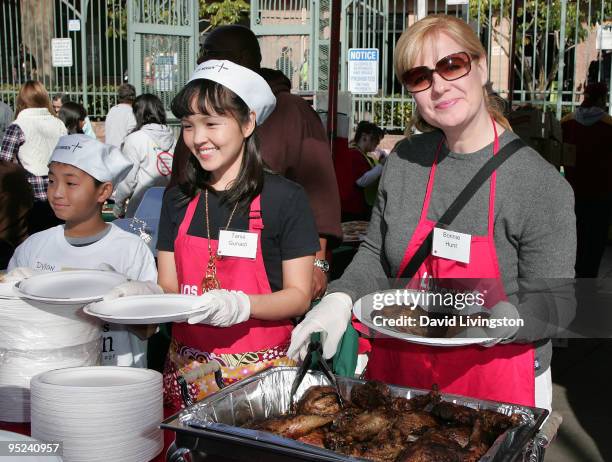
242,244
451,245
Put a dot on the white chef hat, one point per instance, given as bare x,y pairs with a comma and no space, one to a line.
102,161
248,85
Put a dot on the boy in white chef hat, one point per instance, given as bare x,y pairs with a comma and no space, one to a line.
82,173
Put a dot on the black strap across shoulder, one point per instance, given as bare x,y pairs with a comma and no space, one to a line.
462,199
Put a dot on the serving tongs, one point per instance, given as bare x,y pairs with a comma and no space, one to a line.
314,347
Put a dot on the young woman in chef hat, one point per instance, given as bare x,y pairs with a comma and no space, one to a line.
82,172
240,235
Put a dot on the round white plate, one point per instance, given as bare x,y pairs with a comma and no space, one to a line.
98,376
69,287
363,314
144,309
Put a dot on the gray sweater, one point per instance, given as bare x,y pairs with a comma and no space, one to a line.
535,233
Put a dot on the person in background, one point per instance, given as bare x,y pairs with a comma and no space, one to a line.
6,117
284,62
519,223
16,200
304,74
73,115
358,172
149,147
589,130
293,141
82,173
29,141
59,100
120,120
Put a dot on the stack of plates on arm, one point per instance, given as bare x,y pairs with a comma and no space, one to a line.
100,413
42,327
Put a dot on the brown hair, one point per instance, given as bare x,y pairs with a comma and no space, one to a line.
33,94
16,200
412,41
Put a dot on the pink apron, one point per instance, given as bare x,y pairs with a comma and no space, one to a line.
500,373
242,349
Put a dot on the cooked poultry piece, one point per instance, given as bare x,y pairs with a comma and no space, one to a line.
456,413
293,426
460,435
370,395
319,401
316,438
415,423
433,447
364,425
417,402
493,423
385,447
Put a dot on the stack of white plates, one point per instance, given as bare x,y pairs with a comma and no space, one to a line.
43,327
100,413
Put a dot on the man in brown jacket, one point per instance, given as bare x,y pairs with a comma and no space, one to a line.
293,141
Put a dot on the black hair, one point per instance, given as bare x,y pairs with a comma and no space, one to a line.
233,42
367,128
148,109
126,92
71,114
208,97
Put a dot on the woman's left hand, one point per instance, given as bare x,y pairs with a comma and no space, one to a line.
221,308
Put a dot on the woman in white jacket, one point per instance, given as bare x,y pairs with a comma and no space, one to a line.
149,147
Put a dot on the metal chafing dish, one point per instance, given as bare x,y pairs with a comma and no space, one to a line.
210,429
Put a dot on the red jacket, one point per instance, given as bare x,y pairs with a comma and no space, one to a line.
350,164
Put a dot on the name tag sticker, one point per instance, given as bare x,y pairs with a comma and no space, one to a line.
451,245
241,244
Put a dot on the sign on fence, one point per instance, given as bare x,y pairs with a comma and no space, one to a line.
61,52
363,70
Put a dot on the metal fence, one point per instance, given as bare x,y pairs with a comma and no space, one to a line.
544,50
540,52
88,65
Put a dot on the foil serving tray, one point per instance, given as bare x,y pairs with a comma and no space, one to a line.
218,418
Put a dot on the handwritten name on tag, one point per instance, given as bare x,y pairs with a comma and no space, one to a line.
451,245
241,244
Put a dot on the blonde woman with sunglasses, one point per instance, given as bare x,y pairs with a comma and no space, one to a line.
519,223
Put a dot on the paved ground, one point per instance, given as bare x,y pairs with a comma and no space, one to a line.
582,377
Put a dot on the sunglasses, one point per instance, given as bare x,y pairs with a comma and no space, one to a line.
451,67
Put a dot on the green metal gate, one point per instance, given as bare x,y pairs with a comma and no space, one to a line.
93,50
162,45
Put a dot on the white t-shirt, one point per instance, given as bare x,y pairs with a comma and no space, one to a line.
119,122
128,254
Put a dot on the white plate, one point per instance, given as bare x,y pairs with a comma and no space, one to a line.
98,376
144,309
69,287
363,315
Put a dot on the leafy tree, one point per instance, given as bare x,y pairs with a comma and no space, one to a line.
224,12
216,13
537,29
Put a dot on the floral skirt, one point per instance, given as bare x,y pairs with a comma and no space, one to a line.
234,367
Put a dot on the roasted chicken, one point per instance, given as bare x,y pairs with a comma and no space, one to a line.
378,426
